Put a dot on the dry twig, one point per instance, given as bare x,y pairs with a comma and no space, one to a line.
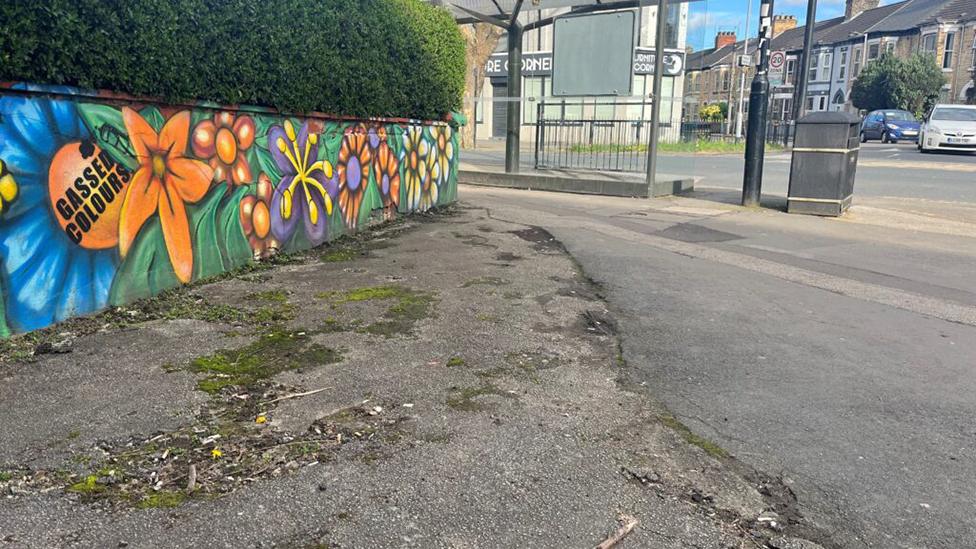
295,395
191,483
628,523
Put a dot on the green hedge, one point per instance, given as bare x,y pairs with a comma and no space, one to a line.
352,57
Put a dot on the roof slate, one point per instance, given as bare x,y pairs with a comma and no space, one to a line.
910,15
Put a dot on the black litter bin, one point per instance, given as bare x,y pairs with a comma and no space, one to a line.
824,159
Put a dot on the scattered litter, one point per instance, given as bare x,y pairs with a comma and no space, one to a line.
925,505
216,453
261,419
408,405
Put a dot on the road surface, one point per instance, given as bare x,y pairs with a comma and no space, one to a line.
883,170
836,355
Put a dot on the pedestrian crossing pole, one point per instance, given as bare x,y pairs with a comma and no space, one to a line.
758,107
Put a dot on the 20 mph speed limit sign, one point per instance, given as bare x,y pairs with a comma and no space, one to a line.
777,64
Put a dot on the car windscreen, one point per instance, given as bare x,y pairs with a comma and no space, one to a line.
954,114
900,115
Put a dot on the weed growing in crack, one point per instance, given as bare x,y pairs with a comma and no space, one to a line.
708,446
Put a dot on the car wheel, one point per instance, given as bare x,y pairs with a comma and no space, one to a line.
864,138
892,141
884,137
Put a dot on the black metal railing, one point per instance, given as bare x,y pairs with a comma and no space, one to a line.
584,140
573,135
701,130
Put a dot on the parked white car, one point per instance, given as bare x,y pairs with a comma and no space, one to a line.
949,128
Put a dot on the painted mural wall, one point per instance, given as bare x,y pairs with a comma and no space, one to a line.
105,201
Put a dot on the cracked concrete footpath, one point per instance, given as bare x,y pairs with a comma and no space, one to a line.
450,381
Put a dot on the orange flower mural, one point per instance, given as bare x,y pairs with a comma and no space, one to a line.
386,170
223,141
165,180
354,164
255,211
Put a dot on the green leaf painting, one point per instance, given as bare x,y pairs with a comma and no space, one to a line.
106,126
220,246
152,115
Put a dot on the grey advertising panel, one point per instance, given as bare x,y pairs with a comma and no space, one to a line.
593,54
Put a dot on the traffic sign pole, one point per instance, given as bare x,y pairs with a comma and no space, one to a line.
756,135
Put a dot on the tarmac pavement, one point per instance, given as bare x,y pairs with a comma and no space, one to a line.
451,381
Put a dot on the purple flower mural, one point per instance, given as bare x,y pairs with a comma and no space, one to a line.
308,186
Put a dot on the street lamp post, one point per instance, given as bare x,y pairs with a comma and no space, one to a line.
758,107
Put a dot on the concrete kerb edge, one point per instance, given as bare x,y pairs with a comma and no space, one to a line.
578,184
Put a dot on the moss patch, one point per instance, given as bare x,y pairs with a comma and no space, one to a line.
465,398
89,486
270,296
162,500
339,255
275,352
411,305
368,293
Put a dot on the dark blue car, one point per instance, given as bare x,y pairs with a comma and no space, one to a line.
890,126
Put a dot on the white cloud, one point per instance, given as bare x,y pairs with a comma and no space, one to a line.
803,3
703,19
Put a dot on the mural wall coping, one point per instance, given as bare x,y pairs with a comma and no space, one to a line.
119,99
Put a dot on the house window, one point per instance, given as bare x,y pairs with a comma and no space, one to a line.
814,59
856,69
842,74
825,66
809,103
889,47
823,102
873,51
839,97
950,44
726,79
791,67
974,52
928,44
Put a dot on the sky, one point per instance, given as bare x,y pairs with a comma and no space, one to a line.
706,17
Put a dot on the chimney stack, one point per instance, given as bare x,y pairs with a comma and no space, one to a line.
724,38
783,23
855,7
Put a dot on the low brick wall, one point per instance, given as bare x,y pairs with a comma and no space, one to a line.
107,199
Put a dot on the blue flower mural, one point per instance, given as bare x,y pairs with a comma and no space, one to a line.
47,273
